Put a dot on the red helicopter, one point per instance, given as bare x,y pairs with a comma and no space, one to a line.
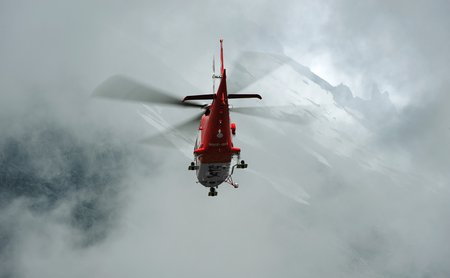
215,156
214,149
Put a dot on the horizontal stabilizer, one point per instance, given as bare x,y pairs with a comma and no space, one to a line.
230,96
199,97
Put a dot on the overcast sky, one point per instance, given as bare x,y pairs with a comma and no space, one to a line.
80,197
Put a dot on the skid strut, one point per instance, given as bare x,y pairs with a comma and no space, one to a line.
240,165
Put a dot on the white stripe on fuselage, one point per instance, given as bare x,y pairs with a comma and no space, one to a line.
212,174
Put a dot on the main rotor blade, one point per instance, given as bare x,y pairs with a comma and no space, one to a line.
251,67
292,114
178,132
125,88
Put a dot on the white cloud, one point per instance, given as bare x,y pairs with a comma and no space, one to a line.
377,207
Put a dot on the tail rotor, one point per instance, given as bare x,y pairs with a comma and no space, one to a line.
214,74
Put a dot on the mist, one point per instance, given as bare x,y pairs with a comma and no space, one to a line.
353,183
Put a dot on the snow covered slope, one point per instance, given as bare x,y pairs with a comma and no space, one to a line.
306,124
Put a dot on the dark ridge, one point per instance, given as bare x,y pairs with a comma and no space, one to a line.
50,165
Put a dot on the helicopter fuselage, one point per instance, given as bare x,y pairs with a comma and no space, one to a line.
214,150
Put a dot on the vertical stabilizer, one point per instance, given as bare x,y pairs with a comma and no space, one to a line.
221,56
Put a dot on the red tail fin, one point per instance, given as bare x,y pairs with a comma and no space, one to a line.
221,57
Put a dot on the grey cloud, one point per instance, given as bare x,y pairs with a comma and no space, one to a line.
402,43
